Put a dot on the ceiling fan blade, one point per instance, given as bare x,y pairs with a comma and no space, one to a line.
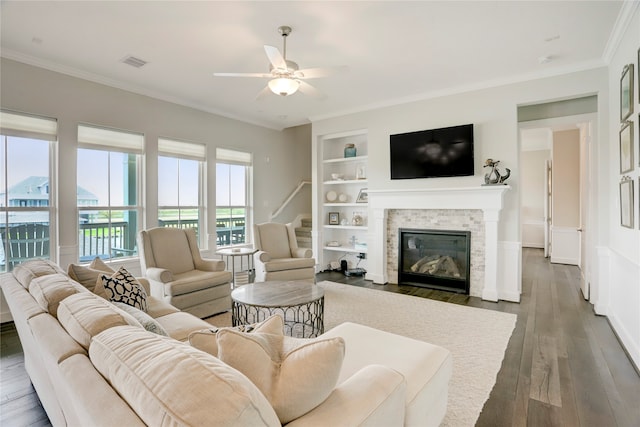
314,73
307,89
263,93
275,57
262,75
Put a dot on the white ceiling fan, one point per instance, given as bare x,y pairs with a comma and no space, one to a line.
286,77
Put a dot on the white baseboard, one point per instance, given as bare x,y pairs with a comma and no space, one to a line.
632,348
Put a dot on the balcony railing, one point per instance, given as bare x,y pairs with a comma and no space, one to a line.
104,240
31,240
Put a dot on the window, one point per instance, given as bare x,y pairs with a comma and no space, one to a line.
108,192
25,198
233,196
180,178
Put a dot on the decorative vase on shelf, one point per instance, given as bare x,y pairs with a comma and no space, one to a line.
349,150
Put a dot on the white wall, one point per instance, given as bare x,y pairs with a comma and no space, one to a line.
618,265
493,112
281,159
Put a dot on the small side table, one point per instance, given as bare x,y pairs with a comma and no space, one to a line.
300,303
232,253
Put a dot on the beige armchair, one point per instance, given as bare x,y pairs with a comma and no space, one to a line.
278,256
171,261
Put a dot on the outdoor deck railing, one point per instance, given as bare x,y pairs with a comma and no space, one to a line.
106,240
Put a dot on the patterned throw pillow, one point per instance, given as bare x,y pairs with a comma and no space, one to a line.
123,287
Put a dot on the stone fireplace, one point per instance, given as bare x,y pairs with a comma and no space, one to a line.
473,209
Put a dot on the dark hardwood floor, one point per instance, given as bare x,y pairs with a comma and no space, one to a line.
563,365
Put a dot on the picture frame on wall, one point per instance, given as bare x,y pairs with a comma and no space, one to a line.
626,148
626,203
626,92
334,218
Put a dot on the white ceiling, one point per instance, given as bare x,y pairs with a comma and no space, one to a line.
396,51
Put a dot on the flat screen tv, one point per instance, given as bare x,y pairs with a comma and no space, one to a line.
443,152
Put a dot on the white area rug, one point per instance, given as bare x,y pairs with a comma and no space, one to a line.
477,338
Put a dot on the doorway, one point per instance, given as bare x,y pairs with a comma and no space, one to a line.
555,164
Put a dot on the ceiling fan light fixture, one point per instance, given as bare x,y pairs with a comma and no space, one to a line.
284,86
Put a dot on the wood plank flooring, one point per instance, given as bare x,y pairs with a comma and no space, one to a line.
563,365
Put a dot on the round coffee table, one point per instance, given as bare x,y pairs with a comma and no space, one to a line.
300,303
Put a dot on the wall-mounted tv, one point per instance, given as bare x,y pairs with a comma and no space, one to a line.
443,152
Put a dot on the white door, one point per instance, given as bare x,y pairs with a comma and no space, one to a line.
585,186
547,210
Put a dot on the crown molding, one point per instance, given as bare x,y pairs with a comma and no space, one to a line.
619,28
488,84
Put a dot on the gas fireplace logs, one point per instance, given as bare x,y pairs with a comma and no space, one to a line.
436,265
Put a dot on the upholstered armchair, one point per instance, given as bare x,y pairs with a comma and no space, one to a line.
171,261
278,256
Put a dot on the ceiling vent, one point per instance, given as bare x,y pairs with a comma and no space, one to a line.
133,61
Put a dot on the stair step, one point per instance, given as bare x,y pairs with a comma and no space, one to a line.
303,232
307,223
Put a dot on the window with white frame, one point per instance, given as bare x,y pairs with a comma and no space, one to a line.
26,200
233,196
109,185
181,167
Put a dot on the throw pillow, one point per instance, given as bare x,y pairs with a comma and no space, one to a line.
89,276
207,339
294,374
123,287
147,322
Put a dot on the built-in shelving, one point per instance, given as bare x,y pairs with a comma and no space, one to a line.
351,171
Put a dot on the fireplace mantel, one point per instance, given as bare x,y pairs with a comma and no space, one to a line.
489,199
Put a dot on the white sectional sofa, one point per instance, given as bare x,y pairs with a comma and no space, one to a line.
93,365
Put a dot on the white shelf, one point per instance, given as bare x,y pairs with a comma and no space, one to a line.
346,181
349,249
363,205
347,227
346,159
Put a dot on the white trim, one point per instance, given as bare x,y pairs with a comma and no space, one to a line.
623,21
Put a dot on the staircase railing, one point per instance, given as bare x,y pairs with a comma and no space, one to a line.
288,199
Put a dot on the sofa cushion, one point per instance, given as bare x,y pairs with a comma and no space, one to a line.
204,391
89,275
295,374
29,270
196,280
49,290
180,324
85,315
207,339
147,322
121,286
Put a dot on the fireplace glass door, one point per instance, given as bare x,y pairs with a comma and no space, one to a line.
437,259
